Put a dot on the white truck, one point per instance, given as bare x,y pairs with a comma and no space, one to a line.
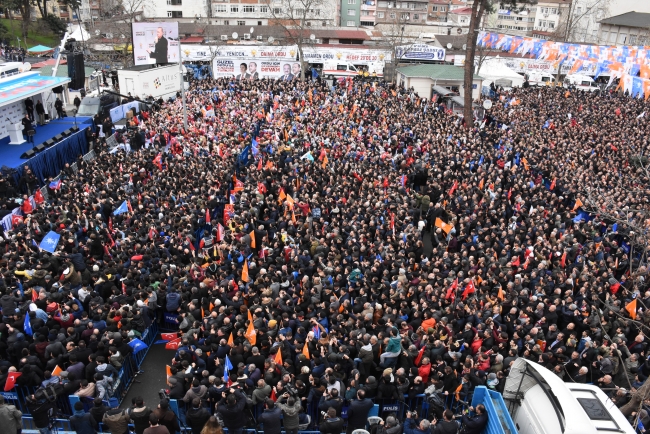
540,79
539,402
143,81
338,68
582,82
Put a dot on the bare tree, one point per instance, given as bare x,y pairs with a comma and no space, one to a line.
295,18
479,9
575,18
118,28
396,39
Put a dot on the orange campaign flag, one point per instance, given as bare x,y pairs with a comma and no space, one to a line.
57,371
278,357
442,225
244,271
631,308
644,71
293,217
252,235
500,295
305,350
168,370
251,335
646,88
578,204
290,202
282,195
231,341
325,160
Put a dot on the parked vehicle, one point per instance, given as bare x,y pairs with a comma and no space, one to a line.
582,82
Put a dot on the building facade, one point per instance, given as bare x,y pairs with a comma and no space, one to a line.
402,12
632,28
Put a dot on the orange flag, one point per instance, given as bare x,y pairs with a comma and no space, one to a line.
168,370
244,271
442,225
278,357
251,335
500,294
325,160
252,234
57,371
578,204
631,308
305,350
282,195
293,217
290,201
231,340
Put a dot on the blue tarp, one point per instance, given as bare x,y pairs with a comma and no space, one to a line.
26,85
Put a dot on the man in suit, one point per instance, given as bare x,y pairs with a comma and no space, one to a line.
358,412
252,71
28,129
243,75
287,76
160,49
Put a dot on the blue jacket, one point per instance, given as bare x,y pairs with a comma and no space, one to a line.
272,420
83,423
413,427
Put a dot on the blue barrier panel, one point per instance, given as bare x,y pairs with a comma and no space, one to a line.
499,420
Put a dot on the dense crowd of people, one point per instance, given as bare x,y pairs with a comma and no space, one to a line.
323,246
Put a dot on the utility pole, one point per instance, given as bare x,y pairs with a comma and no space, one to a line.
180,68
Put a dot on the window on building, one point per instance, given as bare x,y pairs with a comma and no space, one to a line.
220,8
352,2
632,39
642,40
551,25
443,8
226,22
234,9
277,11
350,24
416,16
434,8
392,15
380,15
264,9
352,13
249,9
365,13
241,23
405,16
367,23
175,14
300,12
317,12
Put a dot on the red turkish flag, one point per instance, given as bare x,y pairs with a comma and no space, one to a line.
11,380
169,336
469,289
173,345
27,206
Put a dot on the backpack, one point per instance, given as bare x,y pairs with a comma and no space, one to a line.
50,392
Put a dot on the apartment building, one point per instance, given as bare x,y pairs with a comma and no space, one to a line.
439,9
358,13
631,28
402,12
262,12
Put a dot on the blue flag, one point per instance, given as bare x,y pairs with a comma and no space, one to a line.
137,345
225,376
50,241
316,331
55,185
480,161
255,148
314,73
243,157
121,209
227,364
615,227
27,326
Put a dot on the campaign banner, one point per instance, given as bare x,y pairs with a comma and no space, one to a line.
352,55
155,43
202,53
248,69
420,52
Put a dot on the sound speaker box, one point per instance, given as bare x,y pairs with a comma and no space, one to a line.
76,70
28,154
40,148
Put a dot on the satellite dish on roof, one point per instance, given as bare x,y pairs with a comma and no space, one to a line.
464,46
252,30
271,39
449,46
235,35
312,37
97,32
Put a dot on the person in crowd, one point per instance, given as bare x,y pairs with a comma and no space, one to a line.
81,421
10,417
197,416
155,427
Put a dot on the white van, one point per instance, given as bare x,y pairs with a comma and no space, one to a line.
541,403
540,79
339,68
582,82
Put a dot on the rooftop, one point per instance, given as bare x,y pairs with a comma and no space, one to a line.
435,72
629,19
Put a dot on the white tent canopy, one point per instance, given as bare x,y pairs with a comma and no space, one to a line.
493,71
78,33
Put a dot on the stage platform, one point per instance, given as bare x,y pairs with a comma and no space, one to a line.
10,154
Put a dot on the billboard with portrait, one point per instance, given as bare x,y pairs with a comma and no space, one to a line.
155,43
245,63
